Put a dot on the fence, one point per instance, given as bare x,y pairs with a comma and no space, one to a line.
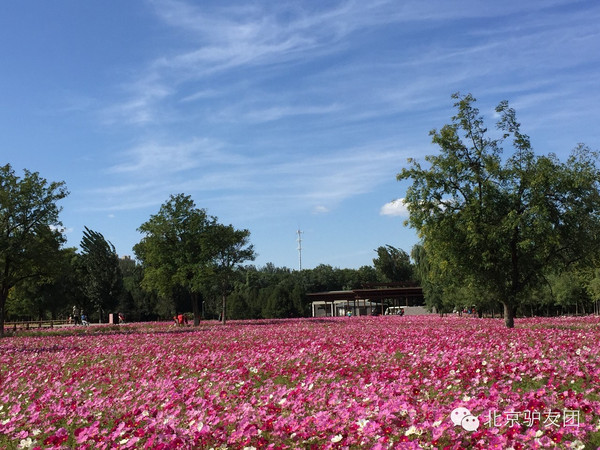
32,324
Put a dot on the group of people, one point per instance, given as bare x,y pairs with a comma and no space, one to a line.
471,311
78,317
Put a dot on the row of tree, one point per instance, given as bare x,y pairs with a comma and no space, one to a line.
186,261
518,230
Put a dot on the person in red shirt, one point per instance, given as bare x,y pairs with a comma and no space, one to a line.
180,320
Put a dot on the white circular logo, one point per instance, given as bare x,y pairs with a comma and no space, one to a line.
470,423
459,414
463,417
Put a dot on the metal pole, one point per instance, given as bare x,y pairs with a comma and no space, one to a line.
299,249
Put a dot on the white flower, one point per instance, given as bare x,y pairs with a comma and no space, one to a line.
337,438
26,443
361,423
412,430
577,445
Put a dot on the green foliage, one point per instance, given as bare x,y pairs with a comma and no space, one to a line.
103,281
185,249
137,304
284,300
228,248
30,236
498,224
393,264
52,296
172,249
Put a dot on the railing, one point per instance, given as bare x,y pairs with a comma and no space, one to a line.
32,324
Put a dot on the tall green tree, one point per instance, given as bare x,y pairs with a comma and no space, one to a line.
30,236
103,278
432,288
53,295
498,222
227,248
173,250
392,264
137,304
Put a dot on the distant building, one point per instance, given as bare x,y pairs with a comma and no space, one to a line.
368,301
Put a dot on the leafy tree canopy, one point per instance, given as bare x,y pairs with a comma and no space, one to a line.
498,222
30,236
103,278
172,249
393,264
185,248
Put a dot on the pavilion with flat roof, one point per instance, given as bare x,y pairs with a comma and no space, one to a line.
370,300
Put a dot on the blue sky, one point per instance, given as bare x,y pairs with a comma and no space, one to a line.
277,116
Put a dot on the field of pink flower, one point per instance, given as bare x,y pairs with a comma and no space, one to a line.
357,382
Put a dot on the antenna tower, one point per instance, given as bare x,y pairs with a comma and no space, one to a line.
299,249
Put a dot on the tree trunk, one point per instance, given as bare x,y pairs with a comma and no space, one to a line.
223,308
3,297
2,301
196,308
509,315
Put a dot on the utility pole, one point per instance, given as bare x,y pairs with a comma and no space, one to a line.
299,249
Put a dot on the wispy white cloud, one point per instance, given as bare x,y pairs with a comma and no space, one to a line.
226,73
142,94
255,185
251,42
320,209
153,157
279,112
201,95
